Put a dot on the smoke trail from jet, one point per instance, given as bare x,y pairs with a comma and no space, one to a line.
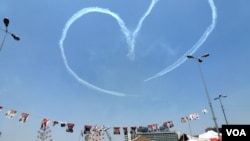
131,53
195,47
130,38
64,34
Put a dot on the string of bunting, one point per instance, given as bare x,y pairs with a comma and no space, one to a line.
193,116
97,131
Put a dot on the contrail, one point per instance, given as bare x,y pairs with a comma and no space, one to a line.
195,47
130,38
131,43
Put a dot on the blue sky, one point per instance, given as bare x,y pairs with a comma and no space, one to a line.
35,80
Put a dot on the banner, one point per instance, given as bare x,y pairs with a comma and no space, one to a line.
10,113
97,130
116,130
24,117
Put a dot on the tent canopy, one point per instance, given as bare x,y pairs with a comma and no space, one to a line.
209,134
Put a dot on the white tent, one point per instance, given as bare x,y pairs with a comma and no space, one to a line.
209,134
191,138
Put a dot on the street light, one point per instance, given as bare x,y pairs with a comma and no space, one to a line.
219,97
6,22
205,87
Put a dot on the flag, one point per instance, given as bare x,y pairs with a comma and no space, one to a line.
195,116
116,130
55,122
44,124
125,130
10,113
168,124
150,128
23,117
70,127
190,117
63,124
95,128
204,111
87,129
133,130
155,127
184,119
165,124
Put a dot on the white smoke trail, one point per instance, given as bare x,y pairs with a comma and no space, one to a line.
64,34
131,53
130,40
195,47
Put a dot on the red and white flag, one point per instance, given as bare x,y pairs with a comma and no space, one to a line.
70,127
10,113
23,117
125,130
133,130
194,116
150,128
116,130
44,124
155,127
87,129
168,124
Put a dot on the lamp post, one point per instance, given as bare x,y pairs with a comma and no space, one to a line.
6,22
190,129
219,97
187,119
199,60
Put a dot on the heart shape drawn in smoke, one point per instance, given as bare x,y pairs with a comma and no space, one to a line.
131,38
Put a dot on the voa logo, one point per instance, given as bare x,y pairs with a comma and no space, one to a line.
236,132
